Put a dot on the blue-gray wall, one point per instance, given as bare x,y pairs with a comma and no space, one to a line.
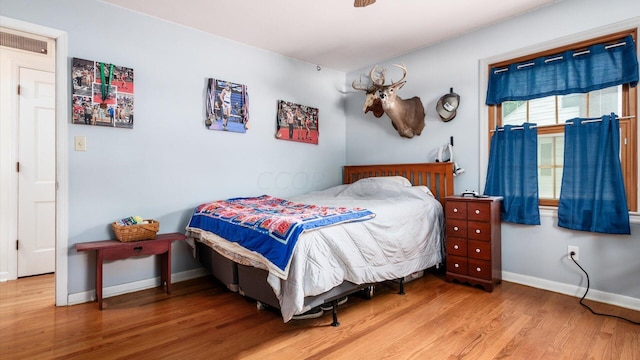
169,163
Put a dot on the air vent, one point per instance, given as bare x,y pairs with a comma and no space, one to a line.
23,43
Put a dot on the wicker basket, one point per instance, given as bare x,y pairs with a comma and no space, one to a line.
138,232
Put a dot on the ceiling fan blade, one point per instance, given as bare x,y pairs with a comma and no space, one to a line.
363,3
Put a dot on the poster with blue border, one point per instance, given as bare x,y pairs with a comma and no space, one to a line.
227,106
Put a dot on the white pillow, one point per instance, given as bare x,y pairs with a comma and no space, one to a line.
424,189
376,187
397,179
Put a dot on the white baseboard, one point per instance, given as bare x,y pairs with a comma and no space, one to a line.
571,290
87,296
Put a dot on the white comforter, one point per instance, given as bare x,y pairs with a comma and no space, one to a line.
404,237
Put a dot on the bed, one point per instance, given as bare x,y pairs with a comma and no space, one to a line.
399,232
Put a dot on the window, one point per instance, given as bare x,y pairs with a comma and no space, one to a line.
550,113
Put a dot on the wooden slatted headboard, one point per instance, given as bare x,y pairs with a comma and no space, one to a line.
438,177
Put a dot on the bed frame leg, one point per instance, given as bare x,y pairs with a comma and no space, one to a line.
401,291
335,322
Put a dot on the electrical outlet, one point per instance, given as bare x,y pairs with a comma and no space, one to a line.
576,251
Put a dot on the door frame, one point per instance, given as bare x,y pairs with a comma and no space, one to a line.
62,151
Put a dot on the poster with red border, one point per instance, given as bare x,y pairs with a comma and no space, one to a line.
296,122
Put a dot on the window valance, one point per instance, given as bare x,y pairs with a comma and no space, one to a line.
598,67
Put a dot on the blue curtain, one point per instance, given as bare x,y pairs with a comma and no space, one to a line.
513,173
570,72
592,197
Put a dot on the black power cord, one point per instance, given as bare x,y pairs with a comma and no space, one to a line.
585,295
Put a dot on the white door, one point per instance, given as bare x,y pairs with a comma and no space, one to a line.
36,172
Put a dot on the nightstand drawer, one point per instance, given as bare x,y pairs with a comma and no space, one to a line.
479,250
457,264
456,228
479,211
479,230
456,246
455,210
479,268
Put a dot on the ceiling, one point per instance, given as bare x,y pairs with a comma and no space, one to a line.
333,33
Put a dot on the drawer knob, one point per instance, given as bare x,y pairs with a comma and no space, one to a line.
455,228
137,249
456,265
477,231
478,251
477,212
455,210
478,269
456,247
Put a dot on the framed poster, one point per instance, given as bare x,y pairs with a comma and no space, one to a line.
296,122
102,94
227,106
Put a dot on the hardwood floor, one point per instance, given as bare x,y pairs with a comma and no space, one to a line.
203,320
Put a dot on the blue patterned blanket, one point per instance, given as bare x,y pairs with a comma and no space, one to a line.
268,225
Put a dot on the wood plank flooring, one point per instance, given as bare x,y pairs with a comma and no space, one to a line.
201,319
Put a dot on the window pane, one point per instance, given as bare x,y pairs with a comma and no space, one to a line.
514,112
545,183
545,151
558,182
550,160
543,111
605,101
571,106
559,149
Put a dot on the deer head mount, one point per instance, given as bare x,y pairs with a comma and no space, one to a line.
407,116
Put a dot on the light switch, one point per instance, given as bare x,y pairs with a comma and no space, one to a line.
80,143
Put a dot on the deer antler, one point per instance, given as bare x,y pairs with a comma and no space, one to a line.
377,80
359,86
404,74
363,3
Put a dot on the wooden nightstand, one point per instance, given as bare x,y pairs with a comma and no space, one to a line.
473,249
116,250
